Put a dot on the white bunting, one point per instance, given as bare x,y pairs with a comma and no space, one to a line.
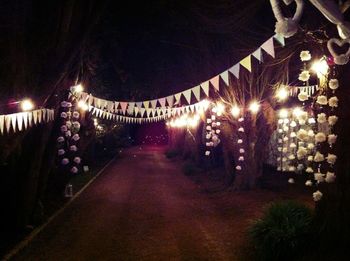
2,123
170,100
205,88
187,95
19,119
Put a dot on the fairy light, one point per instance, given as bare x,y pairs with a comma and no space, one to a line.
254,107
95,122
320,67
235,111
297,111
27,105
220,108
82,105
282,94
283,113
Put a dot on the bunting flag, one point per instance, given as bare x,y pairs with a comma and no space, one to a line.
215,81
295,90
175,99
247,63
22,120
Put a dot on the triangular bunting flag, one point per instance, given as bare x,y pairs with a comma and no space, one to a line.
162,102
196,91
154,104
247,63
269,47
139,104
19,117
280,39
170,100
30,118
25,119
258,54
235,70
146,104
187,95
2,123
205,88
13,121
123,106
8,122
177,97
215,82
90,100
224,77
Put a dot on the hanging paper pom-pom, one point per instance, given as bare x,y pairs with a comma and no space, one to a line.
308,183
302,96
60,152
63,115
321,118
68,134
238,167
77,160
319,157
322,100
317,195
331,158
239,141
291,180
332,120
76,137
64,128
305,56
333,102
68,124
74,170
76,125
304,76
241,158
333,84
320,137
207,153
65,161
64,104
330,177
73,148
76,115
241,151
60,139
319,177
332,138
309,170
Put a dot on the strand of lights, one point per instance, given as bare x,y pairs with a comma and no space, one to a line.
185,121
27,105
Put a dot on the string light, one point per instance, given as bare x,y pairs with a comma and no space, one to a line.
82,105
27,105
283,113
220,108
320,67
254,107
282,94
235,111
77,88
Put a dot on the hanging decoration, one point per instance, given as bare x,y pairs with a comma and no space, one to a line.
23,120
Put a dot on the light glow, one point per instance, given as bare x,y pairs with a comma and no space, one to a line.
82,105
254,107
320,67
282,94
297,111
220,108
283,113
27,105
235,111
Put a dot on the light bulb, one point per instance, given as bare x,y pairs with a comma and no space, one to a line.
254,106
235,110
27,105
282,94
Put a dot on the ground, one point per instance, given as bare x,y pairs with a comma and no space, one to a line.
143,208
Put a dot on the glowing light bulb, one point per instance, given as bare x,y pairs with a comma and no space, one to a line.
283,113
235,111
82,105
95,122
27,105
220,108
297,111
254,106
282,94
320,67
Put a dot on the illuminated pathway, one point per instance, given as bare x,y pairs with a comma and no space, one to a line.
143,208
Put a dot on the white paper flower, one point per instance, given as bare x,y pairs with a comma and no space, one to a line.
301,153
333,84
280,121
218,124
76,125
241,119
217,131
291,157
239,141
208,128
317,195
300,167
331,158
69,104
68,134
213,125
208,136
311,133
311,121
333,102
280,130
332,138
241,129
302,116
64,128
73,148
284,159
310,158
305,56
208,120
284,150
320,137
322,100
285,128
293,134
278,158
76,137
69,113
238,167
279,148
291,180
293,145
285,139
241,158
321,118
309,170
65,161
318,157
332,120
214,138
280,141
64,104
74,170
68,124
303,96
213,118
207,153
304,76
60,139
310,146
330,177
63,115
302,135
77,160
241,151
319,177
286,121
76,115
60,152
308,183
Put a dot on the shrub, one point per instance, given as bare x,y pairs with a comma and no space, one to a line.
171,154
283,232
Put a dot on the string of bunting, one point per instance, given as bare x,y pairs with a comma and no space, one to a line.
23,120
194,94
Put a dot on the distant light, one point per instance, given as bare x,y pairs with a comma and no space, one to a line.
77,88
254,107
297,111
283,113
235,111
27,105
82,105
220,108
95,122
320,67
205,104
282,94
